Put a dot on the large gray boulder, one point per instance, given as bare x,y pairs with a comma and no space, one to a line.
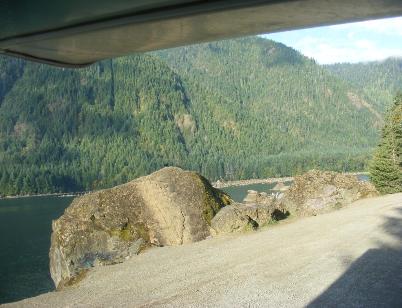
168,207
317,192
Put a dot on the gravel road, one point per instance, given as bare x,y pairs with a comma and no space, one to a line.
348,258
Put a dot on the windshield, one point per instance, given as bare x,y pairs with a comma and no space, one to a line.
133,159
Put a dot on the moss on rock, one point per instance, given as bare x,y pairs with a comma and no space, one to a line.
169,207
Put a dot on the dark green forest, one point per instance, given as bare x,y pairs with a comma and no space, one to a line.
386,165
235,109
380,81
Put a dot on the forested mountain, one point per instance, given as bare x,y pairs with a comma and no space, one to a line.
273,109
378,81
233,109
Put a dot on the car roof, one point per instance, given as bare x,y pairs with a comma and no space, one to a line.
76,33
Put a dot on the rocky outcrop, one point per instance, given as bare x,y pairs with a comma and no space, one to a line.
312,193
321,191
280,186
255,197
168,207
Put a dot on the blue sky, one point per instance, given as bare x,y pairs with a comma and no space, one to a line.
354,42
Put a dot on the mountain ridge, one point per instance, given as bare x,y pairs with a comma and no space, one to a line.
235,109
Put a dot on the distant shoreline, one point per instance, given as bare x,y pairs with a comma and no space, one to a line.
224,184
216,184
62,195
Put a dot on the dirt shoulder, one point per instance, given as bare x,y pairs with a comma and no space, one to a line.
351,257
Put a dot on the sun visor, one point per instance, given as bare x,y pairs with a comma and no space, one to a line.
76,33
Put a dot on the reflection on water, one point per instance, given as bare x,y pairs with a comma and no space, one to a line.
25,227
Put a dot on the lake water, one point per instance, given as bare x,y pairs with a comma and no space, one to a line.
238,193
25,228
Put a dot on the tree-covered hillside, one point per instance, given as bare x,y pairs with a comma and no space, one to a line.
378,81
271,110
234,109
64,130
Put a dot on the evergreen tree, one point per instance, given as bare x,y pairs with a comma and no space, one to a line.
386,166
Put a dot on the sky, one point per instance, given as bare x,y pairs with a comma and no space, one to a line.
354,42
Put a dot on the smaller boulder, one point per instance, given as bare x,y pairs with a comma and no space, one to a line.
235,218
219,184
240,217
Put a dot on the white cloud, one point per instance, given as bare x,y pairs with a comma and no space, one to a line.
354,42
390,26
359,51
351,35
365,44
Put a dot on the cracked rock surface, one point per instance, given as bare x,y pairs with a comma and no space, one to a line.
317,192
168,207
